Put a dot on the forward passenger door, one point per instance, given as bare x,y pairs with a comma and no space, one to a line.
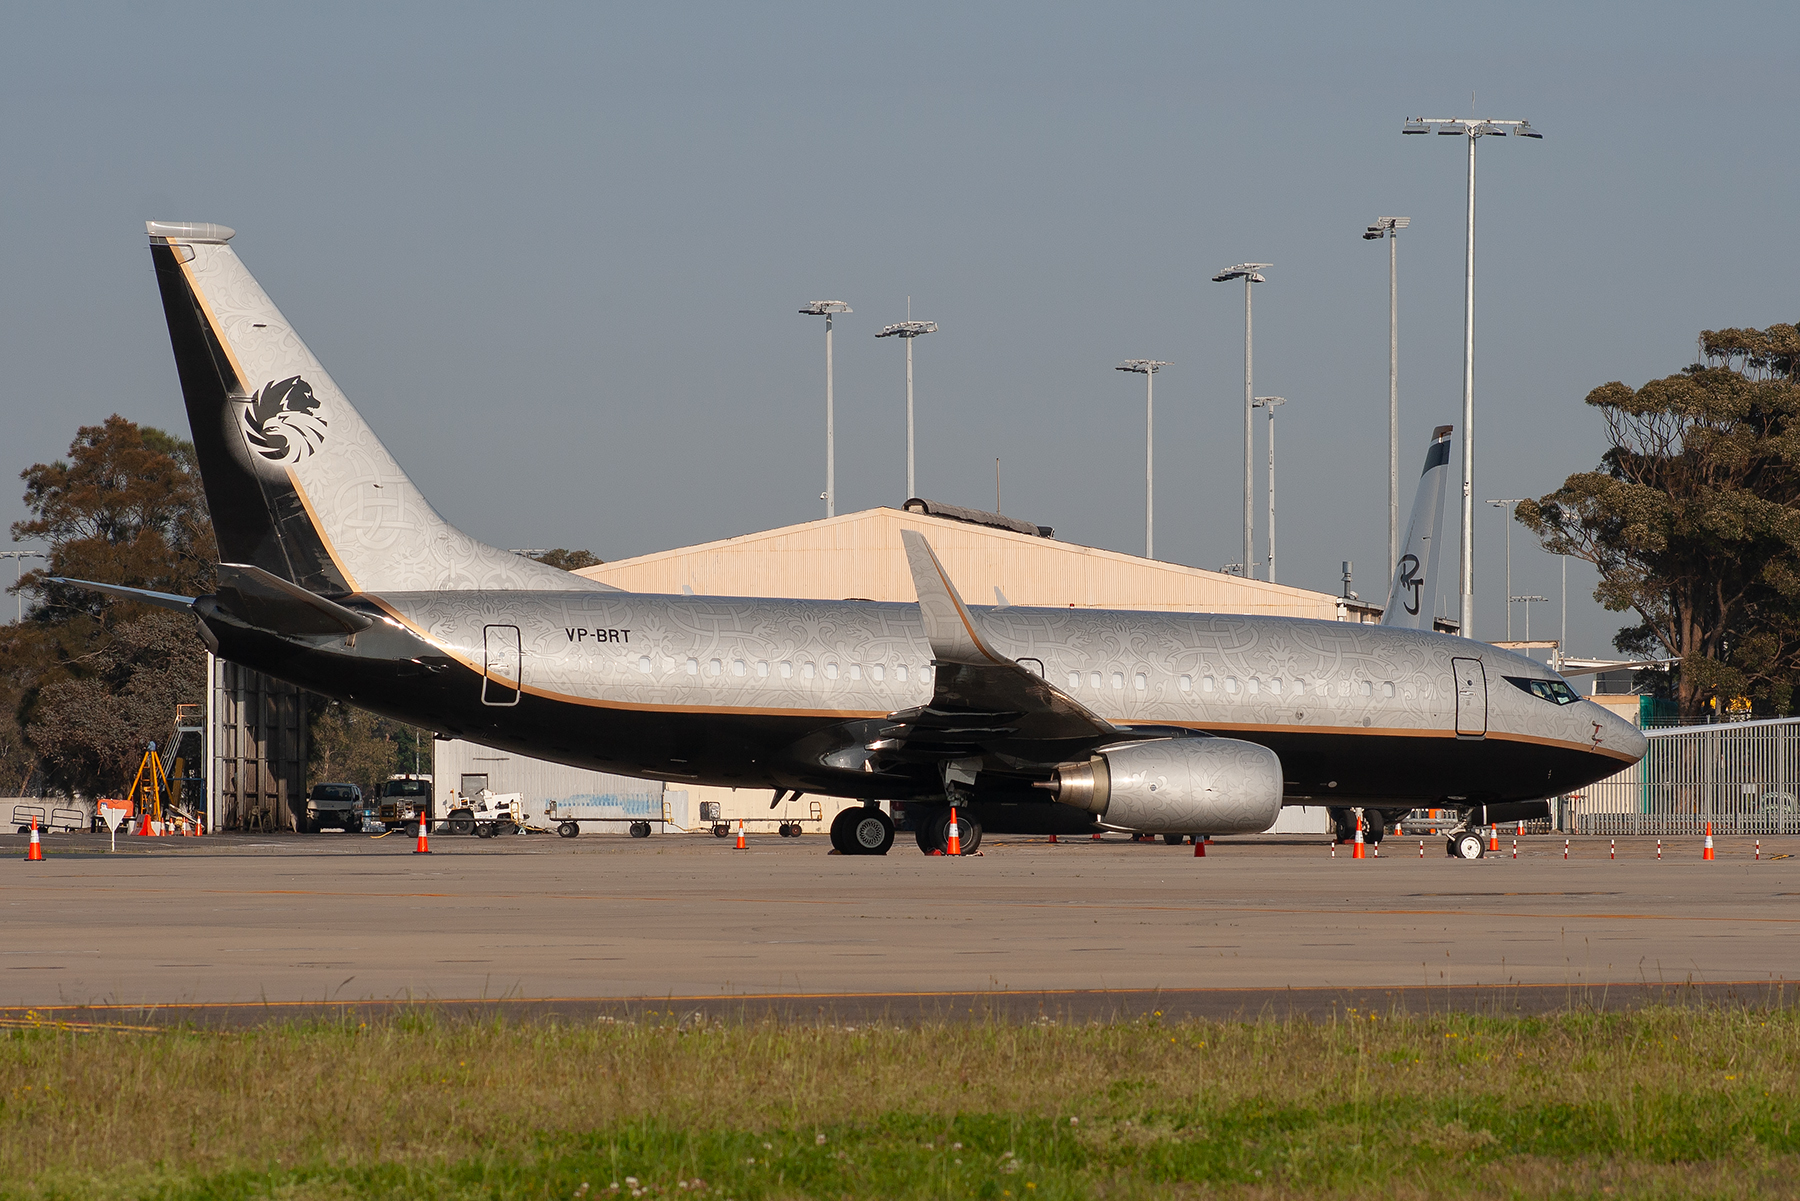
1471,698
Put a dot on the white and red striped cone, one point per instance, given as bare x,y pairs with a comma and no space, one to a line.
1356,849
34,853
1659,850
1706,851
1421,848
1565,848
1612,848
1759,850
1515,847
741,844
955,847
424,846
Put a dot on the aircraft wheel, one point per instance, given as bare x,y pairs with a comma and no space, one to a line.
874,831
569,829
843,832
640,829
925,834
1468,845
1374,829
1173,840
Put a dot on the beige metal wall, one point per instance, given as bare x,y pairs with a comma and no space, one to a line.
860,555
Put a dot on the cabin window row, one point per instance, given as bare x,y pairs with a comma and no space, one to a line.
1232,686
788,669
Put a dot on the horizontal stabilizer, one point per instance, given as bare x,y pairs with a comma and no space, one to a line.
162,600
269,602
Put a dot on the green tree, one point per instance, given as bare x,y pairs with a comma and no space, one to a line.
355,746
91,680
1693,517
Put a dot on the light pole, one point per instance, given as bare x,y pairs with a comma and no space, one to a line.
16,556
1148,368
1389,228
1472,130
1269,403
1507,505
1527,601
909,330
1250,273
825,309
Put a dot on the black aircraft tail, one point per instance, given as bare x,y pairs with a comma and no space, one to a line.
299,487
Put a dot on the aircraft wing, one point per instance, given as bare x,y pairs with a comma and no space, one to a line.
983,702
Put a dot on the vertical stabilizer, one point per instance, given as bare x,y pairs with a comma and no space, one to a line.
298,485
1414,587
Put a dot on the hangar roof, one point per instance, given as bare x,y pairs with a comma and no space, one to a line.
860,556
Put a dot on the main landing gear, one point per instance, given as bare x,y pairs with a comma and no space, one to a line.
864,830
933,832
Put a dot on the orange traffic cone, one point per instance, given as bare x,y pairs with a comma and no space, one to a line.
1053,840
1493,838
1096,838
1706,851
36,853
955,847
1199,848
1356,851
424,847
144,830
741,844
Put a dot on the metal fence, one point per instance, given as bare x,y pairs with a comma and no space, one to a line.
1743,777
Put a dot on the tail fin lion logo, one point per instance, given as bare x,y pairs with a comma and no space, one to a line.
282,421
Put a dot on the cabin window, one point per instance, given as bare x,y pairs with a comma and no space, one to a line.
1206,683
1140,681
1387,690
786,669
806,671
831,671
1118,679
900,673
1074,680
1365,687
1186,683
1253,685
712,667
644,664
737,667
1231,685
1094,679
878,672
856,671
925,674
1275,686
762,667
693,667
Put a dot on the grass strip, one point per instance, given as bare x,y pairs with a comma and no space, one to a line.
1658,1103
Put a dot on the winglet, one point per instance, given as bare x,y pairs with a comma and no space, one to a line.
948,625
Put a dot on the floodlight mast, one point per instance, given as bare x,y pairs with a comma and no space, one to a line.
1508,504
825,309
1250,273
16,556
1148,368
909,330
1269,403
1472,129
1389,228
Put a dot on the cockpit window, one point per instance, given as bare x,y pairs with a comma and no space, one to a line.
1554,691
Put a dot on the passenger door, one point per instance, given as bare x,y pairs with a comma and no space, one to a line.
1471,698
501,663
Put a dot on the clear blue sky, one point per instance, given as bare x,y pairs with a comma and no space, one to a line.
554,253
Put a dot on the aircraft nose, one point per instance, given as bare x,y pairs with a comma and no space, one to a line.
1615,734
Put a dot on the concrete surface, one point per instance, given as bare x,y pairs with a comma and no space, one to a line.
336,918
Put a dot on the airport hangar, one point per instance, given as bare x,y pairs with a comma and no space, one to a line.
859,556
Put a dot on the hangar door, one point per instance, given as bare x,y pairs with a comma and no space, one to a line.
500,665
1471,698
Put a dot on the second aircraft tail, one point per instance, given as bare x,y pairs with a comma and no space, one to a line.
1414,580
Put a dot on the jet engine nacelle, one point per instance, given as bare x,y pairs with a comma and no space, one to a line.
1176,786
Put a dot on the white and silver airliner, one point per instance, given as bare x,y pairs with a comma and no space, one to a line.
337,575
